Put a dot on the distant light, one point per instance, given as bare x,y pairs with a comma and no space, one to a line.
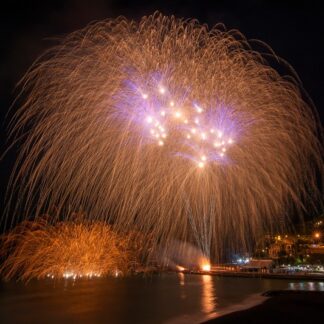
145,96
206,267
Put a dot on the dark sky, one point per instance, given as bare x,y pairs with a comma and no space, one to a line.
295,31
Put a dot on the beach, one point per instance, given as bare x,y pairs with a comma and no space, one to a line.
282,306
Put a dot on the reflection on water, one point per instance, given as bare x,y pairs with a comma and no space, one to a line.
207,297
181,278
182,283
163,298
311,286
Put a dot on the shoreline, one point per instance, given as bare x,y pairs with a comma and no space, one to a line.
274,306
260,275
247,303
290,306
280,306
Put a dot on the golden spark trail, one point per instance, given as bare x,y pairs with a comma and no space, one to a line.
68,249
168,128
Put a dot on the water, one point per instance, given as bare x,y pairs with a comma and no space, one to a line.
164,298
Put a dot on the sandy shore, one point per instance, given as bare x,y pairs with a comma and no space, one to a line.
283,306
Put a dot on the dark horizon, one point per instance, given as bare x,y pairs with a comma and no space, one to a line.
292,30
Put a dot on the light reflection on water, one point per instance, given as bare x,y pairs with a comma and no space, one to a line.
208,304
156,299
311,286
181,278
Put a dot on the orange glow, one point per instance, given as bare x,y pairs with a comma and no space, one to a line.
207,297
206,267
67,250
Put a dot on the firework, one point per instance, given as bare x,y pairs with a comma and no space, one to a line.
69,249
168,128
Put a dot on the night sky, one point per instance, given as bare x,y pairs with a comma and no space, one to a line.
294,31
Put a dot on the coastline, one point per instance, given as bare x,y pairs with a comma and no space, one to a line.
289,306
247,303
284,276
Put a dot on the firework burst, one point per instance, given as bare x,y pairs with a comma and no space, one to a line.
69,249
166,127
